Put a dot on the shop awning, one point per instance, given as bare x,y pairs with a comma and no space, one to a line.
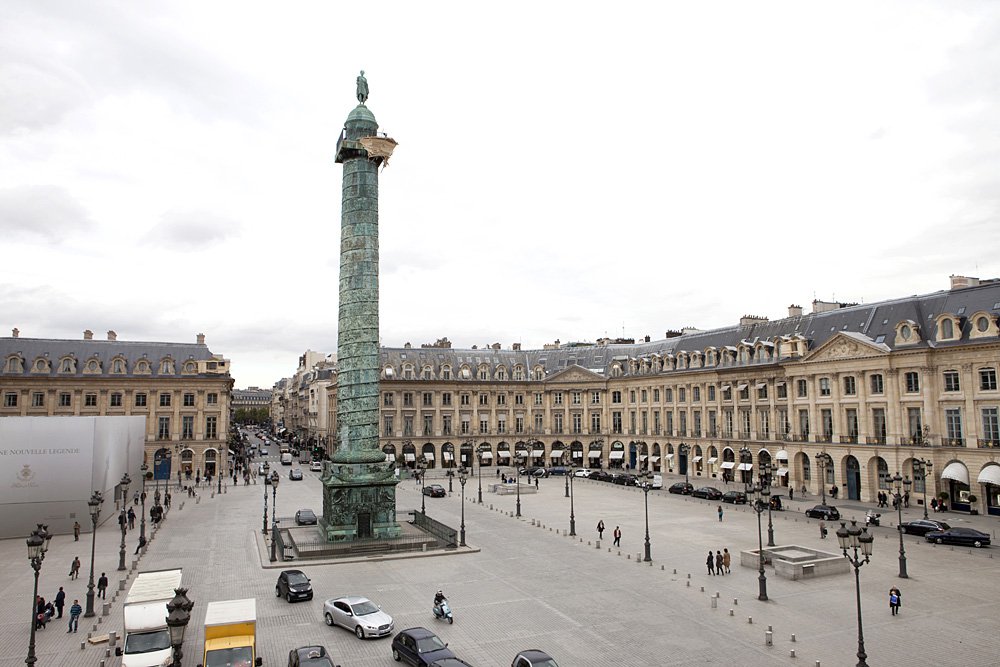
712,459
595,454
538,452
410,457
782,472
990,475
503,454
448,456
782,455
555,454
728,465
696,459
488,456
617,455
654,459
429,456
957,472
745,466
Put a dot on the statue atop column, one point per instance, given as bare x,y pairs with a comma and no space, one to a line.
362,88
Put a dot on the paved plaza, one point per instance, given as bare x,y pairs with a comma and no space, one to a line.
528,585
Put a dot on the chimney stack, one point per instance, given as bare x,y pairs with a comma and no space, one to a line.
15,332
515,346
88,335
112,335
794,311
961,282
201,339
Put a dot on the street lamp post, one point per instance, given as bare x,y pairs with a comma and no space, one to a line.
682,450
823,459
38,544
564,461
142,520
770,526
451,476
126,480
570,474
480,499
267,470
421,471
900,485
855,538
517,476
463,477
759,496
94,505
924,465
275,478
647,486
178,616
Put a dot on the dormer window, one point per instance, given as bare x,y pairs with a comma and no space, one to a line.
67,365
388,373
142,367
118,367
15,364
465,373
93,366
41,366
167,367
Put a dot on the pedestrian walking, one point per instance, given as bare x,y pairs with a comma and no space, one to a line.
618,536
536,484
40,617
720,513
122,520
726,559
60,602
791,493
710,562
74,568
895,599
102,586
135,498
720,563
131,518
822,530
76,531
906,498
600,529
74,616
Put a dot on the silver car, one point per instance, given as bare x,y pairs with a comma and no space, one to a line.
359,614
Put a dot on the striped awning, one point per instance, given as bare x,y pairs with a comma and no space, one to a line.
956,472
990,475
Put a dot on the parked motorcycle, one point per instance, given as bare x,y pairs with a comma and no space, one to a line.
872,519
443,612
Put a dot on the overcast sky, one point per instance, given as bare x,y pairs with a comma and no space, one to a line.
565,170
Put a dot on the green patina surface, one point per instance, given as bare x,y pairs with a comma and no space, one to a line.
359,487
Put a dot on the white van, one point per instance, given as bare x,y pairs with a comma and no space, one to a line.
657,481
286,459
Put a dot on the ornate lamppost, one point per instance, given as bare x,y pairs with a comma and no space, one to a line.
570,474
421,471
924,465
463,477
900,484
563,460
770,526
178,616
855,538
126,480
824,460
94,505
480,499
682,450
451,476
759,497
518,459
647,486
275,478
38,544
266,478
142,496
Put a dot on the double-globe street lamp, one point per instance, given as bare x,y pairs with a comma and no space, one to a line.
94,505
855,538
463,477
38,544
126,480
142,520
275,478
771,471
519,456
421,471
901,484
682,450
647,485
923,465
178,616
823,460
758,496
480,498
266,478
570,474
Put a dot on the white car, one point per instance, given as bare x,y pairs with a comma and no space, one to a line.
316,466
582,472
358,614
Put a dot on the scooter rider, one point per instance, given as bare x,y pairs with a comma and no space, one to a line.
438,599
871,518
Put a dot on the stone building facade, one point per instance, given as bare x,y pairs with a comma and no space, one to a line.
878,388
182,389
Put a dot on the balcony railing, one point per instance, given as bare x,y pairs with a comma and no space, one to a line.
988,442
875,440
744,435
801,437
824,437
953,442
848,439
712,433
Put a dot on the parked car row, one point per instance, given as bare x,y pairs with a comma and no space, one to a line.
622,478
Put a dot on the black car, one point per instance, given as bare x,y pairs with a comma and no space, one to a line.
293,585
923,526
600,475
309,656
625,479
434,491
963,536
558,470
681,487
450,662
709,492
419,647
826,512
533,658
305,517
734,497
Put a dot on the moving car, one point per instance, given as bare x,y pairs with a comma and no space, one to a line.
305,517
309,656
963,536
419,647
826,512
316,466
681,487
359,614
734,497
263,451
434,491
533,658
293,585
295,474
923,526
709,492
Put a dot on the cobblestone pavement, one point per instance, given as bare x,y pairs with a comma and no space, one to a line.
530,585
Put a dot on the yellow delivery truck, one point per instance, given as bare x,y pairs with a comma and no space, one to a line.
231,634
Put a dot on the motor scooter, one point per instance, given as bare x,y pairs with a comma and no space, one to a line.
872,519
443,612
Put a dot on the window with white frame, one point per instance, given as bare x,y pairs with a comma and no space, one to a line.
951,382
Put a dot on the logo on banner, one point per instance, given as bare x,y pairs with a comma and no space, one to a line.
25,478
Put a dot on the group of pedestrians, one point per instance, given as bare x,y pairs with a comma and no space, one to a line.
719,562
616,534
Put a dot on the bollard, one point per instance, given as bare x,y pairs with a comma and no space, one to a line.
791,654
101,663
689,575
689,583
770,629
817,663
106,608
768,638
715,603
736,602
793,638
121,584
423,547
717,594
702,589
107,653
100,619
629,556
598,543
663,568
675,570
750,620
731,613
